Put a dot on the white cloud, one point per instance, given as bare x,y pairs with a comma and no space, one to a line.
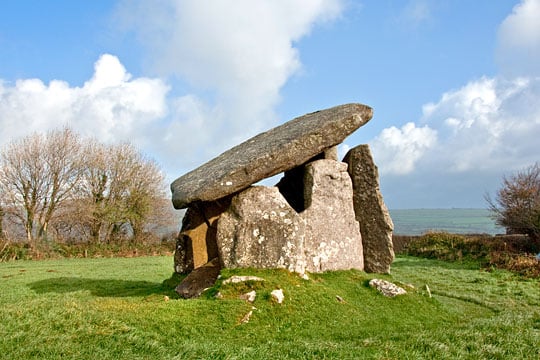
493,124
110,106
236,56
398,150
489,125
518,50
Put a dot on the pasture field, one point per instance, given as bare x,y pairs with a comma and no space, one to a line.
126,308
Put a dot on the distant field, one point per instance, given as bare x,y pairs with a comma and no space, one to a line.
457,221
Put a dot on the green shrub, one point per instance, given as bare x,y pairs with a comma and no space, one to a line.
446,246
515,253
13,251
10,251
526,265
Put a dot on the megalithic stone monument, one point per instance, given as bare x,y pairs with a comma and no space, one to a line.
308,222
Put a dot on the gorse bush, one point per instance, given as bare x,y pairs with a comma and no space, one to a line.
446,246
13,251
526,265
515,253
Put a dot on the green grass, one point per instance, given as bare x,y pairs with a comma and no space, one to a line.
116,309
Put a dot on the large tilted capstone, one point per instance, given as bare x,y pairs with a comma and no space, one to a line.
315,219
269,153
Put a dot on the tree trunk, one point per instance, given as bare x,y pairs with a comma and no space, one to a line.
1,223
137,229
95,230
29,232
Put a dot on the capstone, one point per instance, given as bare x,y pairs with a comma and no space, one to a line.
269,153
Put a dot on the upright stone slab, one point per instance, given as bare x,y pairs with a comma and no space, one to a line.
196,243
260,229
375,223
333,240
291,185
269,153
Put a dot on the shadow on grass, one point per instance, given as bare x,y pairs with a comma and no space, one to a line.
105,287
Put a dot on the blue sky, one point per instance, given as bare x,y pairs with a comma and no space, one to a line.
455,84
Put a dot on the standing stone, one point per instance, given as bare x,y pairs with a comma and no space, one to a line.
291,185
331,153
375,223
269,153
196,243
260,229
333,240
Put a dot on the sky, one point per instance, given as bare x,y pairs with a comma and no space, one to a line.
454,84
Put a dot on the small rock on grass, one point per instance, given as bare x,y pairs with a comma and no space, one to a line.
237,279
387,288
250,296
246,317
199,280
278,295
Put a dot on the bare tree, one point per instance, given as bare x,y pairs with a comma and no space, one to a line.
37,175
120,189
21,180
517,202
92,205
79,188
64,170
